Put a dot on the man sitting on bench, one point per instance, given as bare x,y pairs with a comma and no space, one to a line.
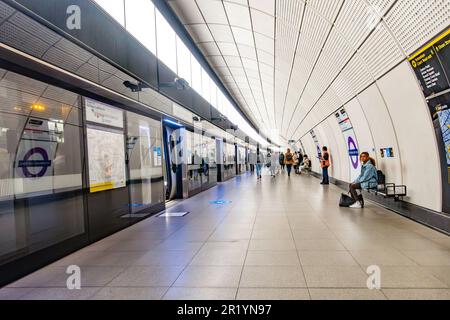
365,180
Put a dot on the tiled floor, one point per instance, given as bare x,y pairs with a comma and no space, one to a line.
278,239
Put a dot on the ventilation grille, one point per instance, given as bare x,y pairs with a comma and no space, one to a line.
380,52
416,22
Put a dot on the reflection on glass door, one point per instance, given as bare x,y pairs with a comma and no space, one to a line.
144,149
41,202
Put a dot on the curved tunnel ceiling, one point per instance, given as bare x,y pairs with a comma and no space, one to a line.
292,63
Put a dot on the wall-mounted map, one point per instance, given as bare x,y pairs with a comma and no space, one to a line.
106,160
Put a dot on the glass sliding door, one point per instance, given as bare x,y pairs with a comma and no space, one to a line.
145,161
41,166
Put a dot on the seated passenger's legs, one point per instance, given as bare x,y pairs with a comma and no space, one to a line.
357,197
353,192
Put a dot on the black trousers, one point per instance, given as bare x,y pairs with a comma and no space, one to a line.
353,191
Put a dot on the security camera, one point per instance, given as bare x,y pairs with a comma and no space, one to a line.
133,87
196,119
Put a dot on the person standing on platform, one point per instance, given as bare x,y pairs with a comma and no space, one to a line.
259,164
289,161
325,164
281,159
273,165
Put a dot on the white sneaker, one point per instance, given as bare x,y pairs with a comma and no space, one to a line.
356,205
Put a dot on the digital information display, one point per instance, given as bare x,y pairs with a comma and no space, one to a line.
432,67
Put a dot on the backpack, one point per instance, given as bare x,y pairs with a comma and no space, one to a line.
381,177
289,157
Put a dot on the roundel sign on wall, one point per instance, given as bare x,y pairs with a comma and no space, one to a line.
35,163
353,152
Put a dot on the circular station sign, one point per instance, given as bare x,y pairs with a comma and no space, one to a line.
35,163
353,152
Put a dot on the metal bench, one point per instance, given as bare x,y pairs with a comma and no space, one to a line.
389,190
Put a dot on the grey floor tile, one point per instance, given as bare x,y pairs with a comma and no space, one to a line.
60,294
271,245
13,293
326,258
272,277
406,244
57,277
272,294
417,294
101,258
133,245
382,258
231,235
319,245
312,233
190,235
272,258
165,258
178,245
346,294
219,257
335,277
178,293
408,277
429,257
209,276
130,293
146,277
270,234
230,244
440,273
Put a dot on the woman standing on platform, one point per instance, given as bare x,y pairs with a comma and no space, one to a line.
289,160
325,164
259,164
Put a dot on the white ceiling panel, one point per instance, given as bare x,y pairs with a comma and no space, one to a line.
238,15
209,48
266,6
290,63
212,11
263,23
221,33
233,61
187,11
243,36
247,51
264,43
228,48
199,32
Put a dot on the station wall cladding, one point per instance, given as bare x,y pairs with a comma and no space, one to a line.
401,117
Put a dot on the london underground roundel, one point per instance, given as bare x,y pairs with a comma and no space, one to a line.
40,165
353,152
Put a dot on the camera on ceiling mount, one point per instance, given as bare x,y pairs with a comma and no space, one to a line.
135,87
